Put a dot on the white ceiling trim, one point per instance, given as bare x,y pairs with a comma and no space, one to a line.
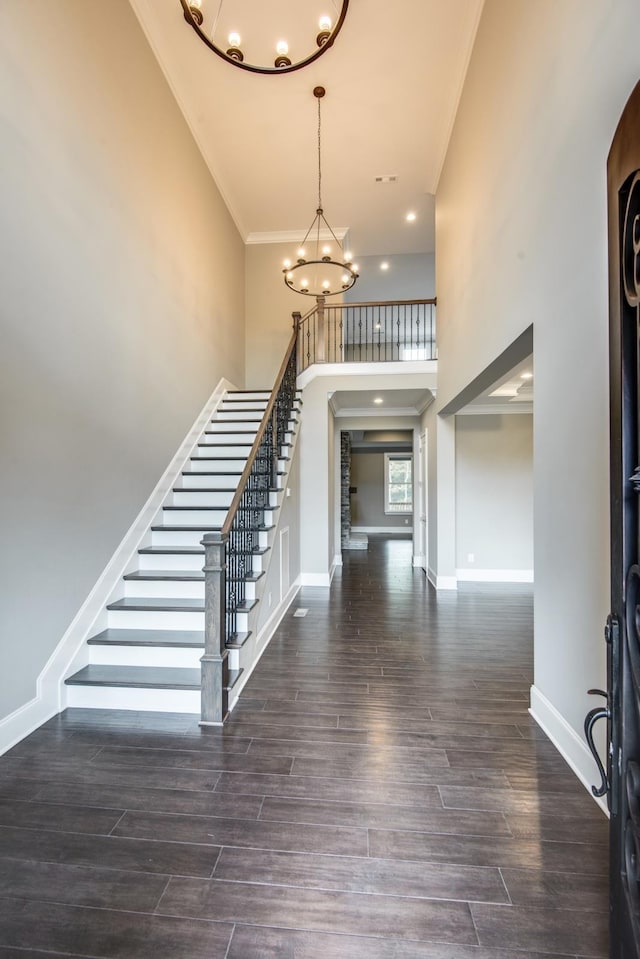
458,96
500,408
378,412
294,236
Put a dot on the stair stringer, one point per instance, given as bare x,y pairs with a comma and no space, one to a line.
51,692
247,658
92,616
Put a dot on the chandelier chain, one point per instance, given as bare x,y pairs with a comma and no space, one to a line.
319,161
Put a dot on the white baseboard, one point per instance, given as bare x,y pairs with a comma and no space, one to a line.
265,636
418,562
24,721
337,560
567,741
382,529
441,582
495,575
50,690
316,579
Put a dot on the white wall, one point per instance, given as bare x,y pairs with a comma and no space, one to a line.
409,277
521,238
494,495
122,306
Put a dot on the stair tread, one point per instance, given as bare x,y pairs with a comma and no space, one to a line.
179,604
205,489
172,550
201,529
149,637
192,508
238,640
168,603
153,677
186,575
234,676
191,550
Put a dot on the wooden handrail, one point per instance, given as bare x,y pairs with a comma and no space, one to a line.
235,502
372,303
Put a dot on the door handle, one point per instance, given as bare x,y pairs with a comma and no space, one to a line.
592,717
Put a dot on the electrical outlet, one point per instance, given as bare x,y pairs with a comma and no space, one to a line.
471,557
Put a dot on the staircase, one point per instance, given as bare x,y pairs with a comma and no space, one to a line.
148,656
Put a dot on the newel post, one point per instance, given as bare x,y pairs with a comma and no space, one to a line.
215,665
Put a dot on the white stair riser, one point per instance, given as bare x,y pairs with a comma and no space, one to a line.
154,619
218,449
174,537
153,588
194,517
250,591
210,498
228,480
229,406
250,396
229,427
164,619
170,561
147,700
235,464
156,589
168,657
252,417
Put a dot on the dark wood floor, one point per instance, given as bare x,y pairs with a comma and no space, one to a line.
379,793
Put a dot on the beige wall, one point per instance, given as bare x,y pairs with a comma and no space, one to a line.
521,239
269,306
122,306
494,492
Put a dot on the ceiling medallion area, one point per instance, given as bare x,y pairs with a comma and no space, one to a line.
265,37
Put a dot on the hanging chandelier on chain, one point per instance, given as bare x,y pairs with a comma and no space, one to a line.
266,37
321,267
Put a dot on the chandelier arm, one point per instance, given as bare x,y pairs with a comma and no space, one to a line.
215,22
328,226
313,222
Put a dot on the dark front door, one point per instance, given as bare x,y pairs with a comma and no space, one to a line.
623,627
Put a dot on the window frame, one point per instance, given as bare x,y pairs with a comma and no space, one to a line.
388,510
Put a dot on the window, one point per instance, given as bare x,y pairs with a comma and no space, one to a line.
398,483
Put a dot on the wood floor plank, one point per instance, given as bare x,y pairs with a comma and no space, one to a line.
391,917
107,933
380,791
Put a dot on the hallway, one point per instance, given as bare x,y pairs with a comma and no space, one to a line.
380,792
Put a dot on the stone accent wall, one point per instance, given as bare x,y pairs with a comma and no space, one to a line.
345,481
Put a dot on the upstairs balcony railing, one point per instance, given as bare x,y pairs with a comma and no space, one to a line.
384,332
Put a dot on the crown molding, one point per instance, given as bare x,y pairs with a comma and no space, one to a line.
294,236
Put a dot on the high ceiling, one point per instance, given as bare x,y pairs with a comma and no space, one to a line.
393,81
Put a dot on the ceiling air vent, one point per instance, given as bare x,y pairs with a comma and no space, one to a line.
389,178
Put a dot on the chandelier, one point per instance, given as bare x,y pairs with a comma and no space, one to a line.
326,269
267,37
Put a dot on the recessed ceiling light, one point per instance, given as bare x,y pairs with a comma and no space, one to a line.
526,376
378,400
410,217
384,265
